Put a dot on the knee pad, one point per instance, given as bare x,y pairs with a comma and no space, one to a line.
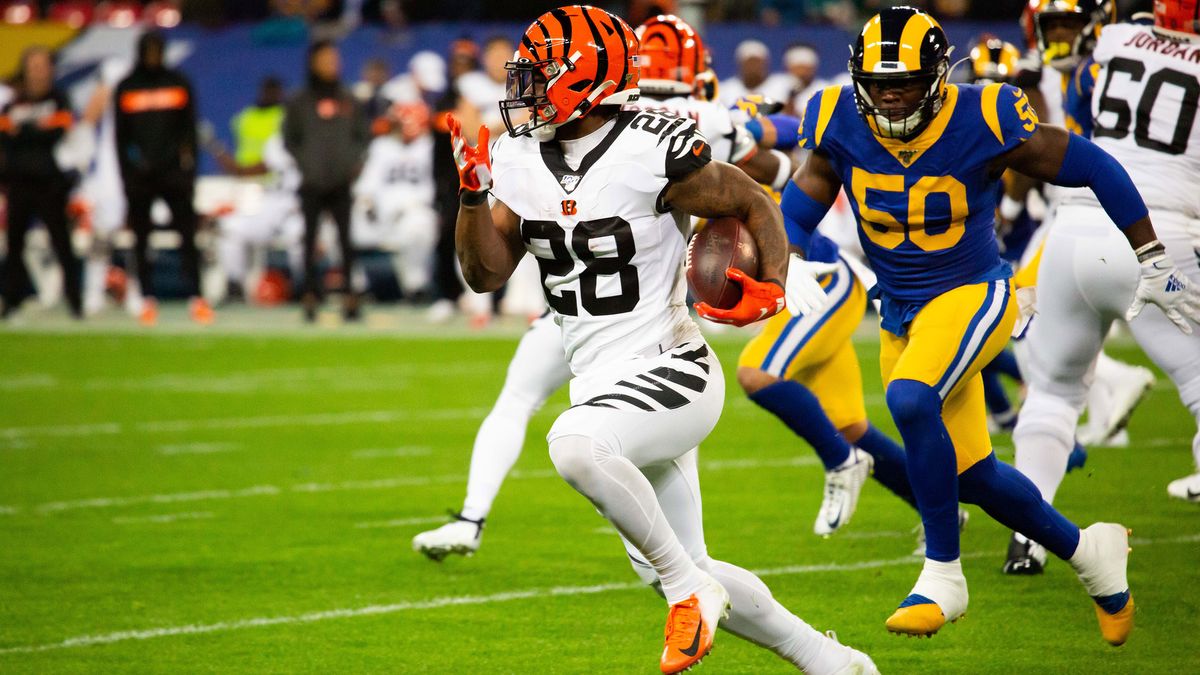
1045,414
573,458
911,401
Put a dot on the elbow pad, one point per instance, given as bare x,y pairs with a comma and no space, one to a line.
1086,165
801,214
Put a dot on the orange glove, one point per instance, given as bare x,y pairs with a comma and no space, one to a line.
760,299
474,163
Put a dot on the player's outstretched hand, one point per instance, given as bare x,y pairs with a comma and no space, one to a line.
1161,283
474,162
760,299
804,292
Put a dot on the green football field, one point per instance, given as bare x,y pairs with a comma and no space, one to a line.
243,500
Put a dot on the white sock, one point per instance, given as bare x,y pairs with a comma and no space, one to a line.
757,617
497,446
625,497
943,583
1099,576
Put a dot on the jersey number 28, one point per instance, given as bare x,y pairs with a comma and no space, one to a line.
562,264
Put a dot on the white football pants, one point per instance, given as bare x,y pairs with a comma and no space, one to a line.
1087,280
628,445
537,370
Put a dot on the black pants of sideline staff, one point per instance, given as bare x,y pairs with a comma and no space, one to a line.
177,190
336,202
46,200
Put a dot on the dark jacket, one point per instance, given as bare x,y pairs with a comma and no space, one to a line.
326,130
30,129
155,123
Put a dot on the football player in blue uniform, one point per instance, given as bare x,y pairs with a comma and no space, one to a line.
920,159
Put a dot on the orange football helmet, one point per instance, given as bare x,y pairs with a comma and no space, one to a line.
672,55
1179,19
570,60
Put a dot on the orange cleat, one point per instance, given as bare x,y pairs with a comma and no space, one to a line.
201,312
691,625
149,315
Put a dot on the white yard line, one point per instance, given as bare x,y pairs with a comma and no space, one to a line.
461,600
406,451
401,522
266,421
197,448
164,518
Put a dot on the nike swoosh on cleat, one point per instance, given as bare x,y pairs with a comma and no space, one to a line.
691,651
1192,496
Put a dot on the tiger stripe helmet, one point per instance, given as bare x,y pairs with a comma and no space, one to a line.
1092,16
671,56
570,60
898,47
994,60
1177,19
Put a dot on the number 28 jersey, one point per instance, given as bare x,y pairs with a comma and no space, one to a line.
609,249
1145,106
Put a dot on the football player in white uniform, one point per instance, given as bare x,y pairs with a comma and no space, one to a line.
394,195
273,219
600,196
539,366
1145,108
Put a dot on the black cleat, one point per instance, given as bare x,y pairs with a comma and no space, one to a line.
1025,558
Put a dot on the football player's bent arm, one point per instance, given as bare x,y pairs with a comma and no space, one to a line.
719,189
1055,155
768,167
488,242
808,196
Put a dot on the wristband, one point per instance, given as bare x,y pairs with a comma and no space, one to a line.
785,170
1149,250
472,197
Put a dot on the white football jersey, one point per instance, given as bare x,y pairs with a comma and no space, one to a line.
728,137
1145,108
610,251
398,171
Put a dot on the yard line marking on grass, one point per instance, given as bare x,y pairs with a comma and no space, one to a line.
352,485
8,510
881,534
266,421
28,381
459,600
401,522
404,451
164,518
197,448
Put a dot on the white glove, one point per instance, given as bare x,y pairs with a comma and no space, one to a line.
1026,308
1162,284
803,294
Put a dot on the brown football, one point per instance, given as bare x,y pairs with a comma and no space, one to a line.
723,243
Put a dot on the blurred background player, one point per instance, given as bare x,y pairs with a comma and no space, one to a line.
157,151
754,76
326,132
802,63
1094,275
394,196
1064,33
33,126
256,128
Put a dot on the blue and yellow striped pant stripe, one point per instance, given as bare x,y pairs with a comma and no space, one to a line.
949,341
815,350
